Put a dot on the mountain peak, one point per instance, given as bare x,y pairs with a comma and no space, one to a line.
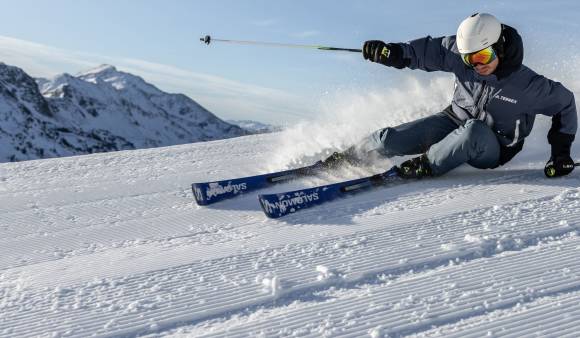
109,75
102,69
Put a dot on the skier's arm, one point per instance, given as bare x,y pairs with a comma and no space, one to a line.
429,54
433,54
553,99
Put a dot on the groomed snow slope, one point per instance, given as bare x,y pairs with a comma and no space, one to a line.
113,245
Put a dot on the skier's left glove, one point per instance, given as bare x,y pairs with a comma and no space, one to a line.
559,166
388,54
560,162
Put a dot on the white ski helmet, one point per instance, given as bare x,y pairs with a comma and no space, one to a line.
477,32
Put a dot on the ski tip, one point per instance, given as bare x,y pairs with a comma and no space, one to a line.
266,204
198,194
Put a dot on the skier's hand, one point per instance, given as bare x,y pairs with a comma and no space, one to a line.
559,166
388,54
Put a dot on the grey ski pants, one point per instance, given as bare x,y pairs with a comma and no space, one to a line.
446,145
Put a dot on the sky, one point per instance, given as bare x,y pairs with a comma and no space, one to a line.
159,40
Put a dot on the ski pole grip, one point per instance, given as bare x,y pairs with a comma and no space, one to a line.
206,39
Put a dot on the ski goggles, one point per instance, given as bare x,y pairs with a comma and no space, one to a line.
484,56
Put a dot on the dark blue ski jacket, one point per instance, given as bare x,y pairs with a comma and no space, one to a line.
508,100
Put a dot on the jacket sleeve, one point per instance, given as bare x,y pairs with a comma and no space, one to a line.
433,54
553,99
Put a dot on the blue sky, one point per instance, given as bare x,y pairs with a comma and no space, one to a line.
159,40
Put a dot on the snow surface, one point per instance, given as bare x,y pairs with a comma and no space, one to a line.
113,245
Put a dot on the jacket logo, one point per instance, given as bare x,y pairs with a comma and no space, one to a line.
507,99
504,98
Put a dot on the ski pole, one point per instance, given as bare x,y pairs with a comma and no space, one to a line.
208,39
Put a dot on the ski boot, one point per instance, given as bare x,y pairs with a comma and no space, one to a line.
417,167
336,160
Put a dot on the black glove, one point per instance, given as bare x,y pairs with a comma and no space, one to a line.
560,163
388,54
559,166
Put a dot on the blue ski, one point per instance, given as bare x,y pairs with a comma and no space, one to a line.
206,193
278,205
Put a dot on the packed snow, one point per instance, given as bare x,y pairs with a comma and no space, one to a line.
113,245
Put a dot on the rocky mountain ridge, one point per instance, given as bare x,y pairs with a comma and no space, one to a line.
99,110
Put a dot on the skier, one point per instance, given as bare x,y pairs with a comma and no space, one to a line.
493,109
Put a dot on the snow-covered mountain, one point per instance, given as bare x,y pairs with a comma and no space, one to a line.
100,110
255,127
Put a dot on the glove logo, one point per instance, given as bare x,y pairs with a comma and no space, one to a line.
386,52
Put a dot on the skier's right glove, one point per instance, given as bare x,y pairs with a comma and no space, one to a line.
388,54
559,166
